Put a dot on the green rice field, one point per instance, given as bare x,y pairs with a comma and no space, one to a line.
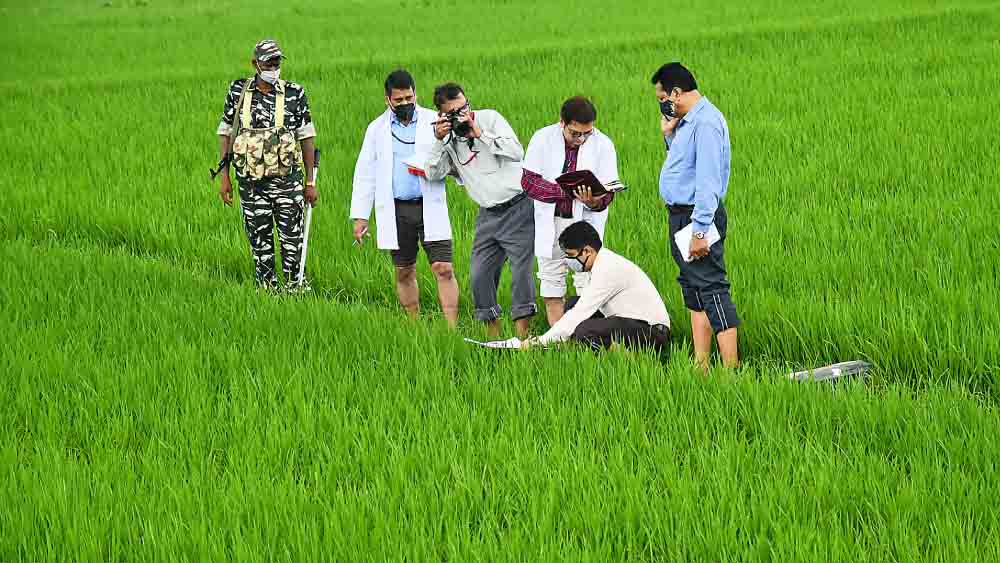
156,406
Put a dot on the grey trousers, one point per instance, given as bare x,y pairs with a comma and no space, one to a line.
504,232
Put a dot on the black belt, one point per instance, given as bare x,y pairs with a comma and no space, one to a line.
677,209
509,203
417,201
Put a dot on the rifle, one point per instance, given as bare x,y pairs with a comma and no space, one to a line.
222,164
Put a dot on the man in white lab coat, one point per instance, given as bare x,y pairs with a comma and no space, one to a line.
409,209
570,145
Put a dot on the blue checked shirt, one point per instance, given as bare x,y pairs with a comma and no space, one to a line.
696,170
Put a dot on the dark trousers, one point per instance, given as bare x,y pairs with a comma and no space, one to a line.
270,203
704,282
410,233
599,332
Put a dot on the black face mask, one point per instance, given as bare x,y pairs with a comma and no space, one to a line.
668,110
405,111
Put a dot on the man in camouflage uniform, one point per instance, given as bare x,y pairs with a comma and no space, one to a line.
268,141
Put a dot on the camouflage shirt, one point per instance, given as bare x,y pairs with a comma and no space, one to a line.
297,116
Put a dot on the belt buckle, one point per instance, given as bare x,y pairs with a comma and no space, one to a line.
506,205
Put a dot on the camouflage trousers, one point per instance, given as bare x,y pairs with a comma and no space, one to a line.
270,203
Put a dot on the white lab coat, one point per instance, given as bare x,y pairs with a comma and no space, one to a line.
373,182
545,156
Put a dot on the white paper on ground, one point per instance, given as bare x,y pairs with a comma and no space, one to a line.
683,239
510,343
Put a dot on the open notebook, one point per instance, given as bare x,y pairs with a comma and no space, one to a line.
570,181
415,164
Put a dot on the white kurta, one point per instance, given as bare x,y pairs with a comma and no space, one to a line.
373,182
545,156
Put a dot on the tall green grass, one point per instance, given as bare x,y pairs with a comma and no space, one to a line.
138,424
860,196
158,407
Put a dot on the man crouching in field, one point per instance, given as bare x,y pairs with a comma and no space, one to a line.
621,306
409,209
693,183
266,127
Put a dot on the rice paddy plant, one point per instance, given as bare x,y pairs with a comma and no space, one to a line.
158,407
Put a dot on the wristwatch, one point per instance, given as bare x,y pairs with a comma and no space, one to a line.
311,184
699,236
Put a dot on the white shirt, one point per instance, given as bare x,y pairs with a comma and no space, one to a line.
618,288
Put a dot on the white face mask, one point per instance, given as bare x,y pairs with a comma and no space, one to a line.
270,76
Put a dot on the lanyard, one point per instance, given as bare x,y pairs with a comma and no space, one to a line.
400,140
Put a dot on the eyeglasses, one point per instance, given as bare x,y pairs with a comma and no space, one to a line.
455,112
579,134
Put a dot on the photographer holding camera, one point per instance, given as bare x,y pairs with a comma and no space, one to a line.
482,148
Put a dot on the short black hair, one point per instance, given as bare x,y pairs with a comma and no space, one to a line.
447,92
579,235
675,75
578,109
398,79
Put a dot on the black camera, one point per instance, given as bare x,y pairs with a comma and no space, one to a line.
460,128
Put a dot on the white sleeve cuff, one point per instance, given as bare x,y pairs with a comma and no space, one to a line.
306,131
552,337
224,129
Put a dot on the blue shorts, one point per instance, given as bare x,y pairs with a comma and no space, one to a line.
703,281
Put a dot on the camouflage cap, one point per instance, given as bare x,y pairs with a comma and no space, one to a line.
267,49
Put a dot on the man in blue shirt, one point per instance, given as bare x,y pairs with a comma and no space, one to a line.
693,183
405,186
